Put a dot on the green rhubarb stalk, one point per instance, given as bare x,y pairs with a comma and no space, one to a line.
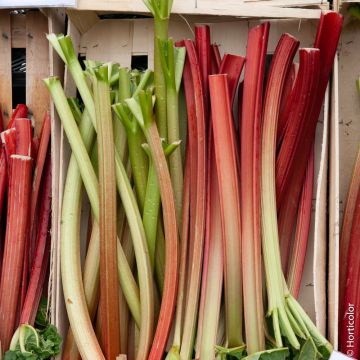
288,318
135,137
153,201
64,47
161,11
172,61
270,241
132,214
109,289
71,275
140,165
127,281
141,108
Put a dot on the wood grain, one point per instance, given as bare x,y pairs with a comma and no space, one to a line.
5,65
37,65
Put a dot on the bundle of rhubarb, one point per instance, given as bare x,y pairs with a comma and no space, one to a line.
185,209
25,210
349,289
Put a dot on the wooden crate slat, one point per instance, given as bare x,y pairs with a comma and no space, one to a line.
5,65
18,31
232,8
109,40
37,65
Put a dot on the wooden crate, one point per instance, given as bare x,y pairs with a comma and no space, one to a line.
28,31
119,40
243,8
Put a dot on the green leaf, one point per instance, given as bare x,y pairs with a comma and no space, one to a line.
272,354
308,351
41,320
233,353
35,344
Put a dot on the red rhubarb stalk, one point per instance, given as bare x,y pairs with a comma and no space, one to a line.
212,274
326,41
3,178
21,111
202,43
215,58
302,231
41,259
8,138
250,132
16,230
286,102
226,165
38,171
304,93
350,325
23,136
197,231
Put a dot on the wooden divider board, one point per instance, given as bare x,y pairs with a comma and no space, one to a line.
25,31
118,40
56,24
5,65
306,9
37,65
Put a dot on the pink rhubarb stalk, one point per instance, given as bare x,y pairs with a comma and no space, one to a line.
250,186
302,231
227,170
197,229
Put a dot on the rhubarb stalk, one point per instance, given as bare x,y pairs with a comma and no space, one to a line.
280,64
42,253
109,293
16,230
250,186
304,93
303,222
227,170
142,110
161,12
198,199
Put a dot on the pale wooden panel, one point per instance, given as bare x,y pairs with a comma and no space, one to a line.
319,242
37,65
56,21
289,3
84,20
205,7
18,31
333,281
109,40
5,65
